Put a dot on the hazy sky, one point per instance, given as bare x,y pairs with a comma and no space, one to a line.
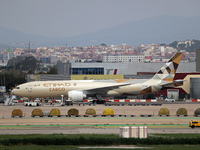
64,18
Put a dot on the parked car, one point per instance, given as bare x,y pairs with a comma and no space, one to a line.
169,100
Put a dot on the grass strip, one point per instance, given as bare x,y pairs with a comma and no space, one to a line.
93,139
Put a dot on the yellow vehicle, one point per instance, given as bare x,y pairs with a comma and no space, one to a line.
194,123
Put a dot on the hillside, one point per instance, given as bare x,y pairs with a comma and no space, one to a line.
162,29
188,46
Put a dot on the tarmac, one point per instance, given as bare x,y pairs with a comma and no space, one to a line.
97,125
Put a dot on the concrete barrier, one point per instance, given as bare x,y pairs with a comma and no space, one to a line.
133,132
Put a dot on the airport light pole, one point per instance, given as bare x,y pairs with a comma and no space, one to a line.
4,81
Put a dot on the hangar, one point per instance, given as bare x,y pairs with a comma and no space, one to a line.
189,90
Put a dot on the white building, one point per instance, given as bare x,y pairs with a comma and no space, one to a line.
124,58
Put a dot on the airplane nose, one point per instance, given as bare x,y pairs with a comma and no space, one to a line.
13,91
16,90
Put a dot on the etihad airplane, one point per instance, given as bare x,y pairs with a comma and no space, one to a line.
78,90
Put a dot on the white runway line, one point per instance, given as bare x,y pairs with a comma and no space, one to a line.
109,147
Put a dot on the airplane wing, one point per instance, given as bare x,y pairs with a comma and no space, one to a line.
104,89
173,84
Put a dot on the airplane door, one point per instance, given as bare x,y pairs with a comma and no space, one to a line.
30,88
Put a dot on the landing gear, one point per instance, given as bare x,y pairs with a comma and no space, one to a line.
99,99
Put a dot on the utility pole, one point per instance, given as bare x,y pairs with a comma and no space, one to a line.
4,80
29,47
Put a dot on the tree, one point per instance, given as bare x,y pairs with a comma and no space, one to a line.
52,70
162,44
103,44
14,62
182,46
30,72
30,63
13,78
173,44
25,64
189,48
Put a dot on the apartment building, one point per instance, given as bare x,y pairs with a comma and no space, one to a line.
124,58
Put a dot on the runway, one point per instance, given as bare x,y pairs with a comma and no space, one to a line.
91,129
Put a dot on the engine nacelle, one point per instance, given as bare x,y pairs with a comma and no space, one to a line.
76,96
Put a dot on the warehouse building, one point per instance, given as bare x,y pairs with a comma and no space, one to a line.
124,68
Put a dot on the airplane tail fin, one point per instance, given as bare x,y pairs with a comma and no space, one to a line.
168,71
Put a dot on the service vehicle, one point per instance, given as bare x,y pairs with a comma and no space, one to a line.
194,123
53,101
31,103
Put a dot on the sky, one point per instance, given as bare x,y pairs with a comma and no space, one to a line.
66,18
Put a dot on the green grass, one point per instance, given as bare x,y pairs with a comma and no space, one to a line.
73,142
174,147
38,147
192,135
22,136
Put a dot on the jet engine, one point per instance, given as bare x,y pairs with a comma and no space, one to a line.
76,96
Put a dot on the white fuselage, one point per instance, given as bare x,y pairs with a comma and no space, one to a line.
42,89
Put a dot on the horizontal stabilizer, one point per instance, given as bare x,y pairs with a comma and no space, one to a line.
173,84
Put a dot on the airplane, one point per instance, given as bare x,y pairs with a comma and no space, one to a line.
78,90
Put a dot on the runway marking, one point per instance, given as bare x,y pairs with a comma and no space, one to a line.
90,125
113,147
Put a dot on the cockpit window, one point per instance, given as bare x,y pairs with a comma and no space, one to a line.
17,87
